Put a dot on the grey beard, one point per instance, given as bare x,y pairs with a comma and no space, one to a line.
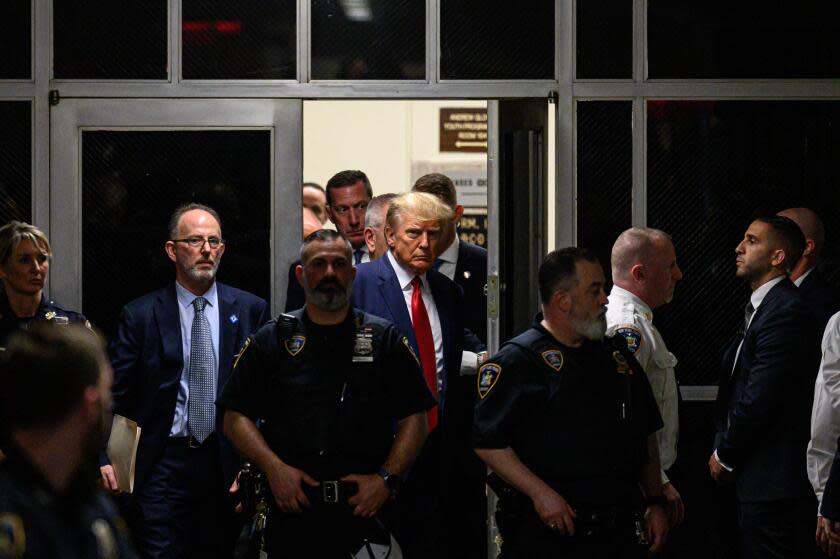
202,276
331,301
591,329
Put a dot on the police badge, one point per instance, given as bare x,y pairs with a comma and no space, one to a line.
295,344
488,376
622,366
553,358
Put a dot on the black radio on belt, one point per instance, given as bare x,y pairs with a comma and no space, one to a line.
286,324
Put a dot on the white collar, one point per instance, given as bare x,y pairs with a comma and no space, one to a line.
404,275
801,278
637,301
761,292
186,297
451,252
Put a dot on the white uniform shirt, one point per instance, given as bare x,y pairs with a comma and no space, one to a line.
825,415
629,316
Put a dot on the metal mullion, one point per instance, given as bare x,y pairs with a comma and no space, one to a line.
42,63
432,41
719,89
639,186
304,40
565,211
174,42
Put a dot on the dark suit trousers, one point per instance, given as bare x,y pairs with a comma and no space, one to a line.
183,509
781,529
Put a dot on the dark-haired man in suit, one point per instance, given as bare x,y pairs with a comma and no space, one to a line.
423,304
173,351
765,396
348,195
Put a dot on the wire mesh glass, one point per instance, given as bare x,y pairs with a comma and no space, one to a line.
15,161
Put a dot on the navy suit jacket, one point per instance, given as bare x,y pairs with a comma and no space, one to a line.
471,275
147,358
820,297
764,405
377,291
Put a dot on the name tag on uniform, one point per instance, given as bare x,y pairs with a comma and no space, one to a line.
363,346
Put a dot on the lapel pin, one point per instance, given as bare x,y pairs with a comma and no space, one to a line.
234,319
467,274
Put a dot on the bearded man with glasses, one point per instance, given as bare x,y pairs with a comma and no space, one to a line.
174,350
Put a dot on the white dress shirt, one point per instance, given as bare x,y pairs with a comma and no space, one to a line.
825,415
404,278
449,258
628,314
186,312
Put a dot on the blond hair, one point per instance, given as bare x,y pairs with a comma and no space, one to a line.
14,232
422,206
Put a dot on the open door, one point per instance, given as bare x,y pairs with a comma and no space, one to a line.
517,172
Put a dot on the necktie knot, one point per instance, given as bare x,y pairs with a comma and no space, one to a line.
416,282
199,303
748,312
357,255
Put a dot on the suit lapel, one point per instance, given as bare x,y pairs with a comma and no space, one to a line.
169,330
228,331
463,260
392,294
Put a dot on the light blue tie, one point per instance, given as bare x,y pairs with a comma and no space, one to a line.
200,408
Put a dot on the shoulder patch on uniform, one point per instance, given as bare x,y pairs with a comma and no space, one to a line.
295,344
241,352
632,335
411,351
488,376
553,358
12,536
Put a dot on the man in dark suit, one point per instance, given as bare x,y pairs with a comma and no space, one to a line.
348,195
423,304
822,299
173,351
460,261
765,396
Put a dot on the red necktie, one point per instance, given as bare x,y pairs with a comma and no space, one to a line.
426,345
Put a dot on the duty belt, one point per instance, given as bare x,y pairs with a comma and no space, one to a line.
331,492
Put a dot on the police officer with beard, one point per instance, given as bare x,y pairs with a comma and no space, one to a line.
342,405
55,402
567,422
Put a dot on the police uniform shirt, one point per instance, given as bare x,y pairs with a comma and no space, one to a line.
578,418
47,311
38,523
630,317
329,396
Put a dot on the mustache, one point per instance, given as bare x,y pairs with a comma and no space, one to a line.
329,283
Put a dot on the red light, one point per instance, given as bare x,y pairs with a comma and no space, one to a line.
229,27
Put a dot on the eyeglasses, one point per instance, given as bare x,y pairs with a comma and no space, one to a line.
198,242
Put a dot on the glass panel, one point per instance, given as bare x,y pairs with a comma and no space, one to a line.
712,166
368,39
604,39
752,39
604,174
16,38
15,161
246,40
508,40
103,39
131,183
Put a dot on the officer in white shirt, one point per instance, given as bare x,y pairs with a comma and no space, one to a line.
645,271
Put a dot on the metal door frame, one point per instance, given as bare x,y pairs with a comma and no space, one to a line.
70,117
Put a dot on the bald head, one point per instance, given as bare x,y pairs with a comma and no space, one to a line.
644,263
811,225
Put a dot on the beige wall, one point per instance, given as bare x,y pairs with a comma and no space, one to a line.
384,139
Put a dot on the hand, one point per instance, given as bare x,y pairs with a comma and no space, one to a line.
555,512
371,495
286,486
234,487
109,479
828,536
718,472
675,508
656,528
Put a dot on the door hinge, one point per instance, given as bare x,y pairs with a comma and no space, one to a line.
553,97
55,97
